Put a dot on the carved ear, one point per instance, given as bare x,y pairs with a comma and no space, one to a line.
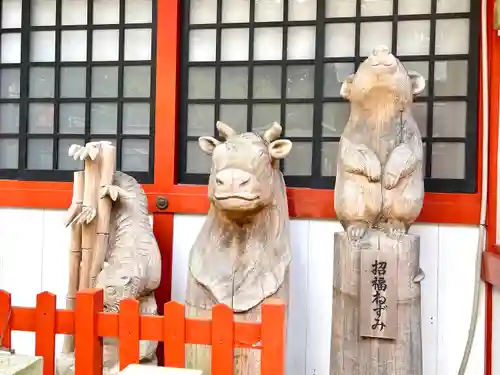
417,82
280,148
224,129
345,90
208,144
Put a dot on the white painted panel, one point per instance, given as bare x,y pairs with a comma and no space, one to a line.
429,250
35,243
186,228
319,296
457,253
298,304
21,241
55,260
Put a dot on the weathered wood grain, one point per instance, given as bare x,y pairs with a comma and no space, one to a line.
242,254
354,355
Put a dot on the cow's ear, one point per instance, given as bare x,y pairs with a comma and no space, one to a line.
280,148
208,144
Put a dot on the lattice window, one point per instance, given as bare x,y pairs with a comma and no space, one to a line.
251,62
72,71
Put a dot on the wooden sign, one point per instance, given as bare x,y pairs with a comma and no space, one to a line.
378,295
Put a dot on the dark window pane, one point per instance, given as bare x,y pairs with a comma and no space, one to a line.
73,82
9,153
41,118
448,160
42,82
135,155
298,162
137,81
329,153
299,120
9,118
72,118
105,82
103,118
234,115
136,118
40,154
201,83
10,83
64,161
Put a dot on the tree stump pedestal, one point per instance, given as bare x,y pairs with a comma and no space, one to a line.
376,321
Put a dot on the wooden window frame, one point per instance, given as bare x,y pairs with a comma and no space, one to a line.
449,208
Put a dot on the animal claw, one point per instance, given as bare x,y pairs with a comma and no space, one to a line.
86,215
114,192
395,229
390,180
356,231
74,210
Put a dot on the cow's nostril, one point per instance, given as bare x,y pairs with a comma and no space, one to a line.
218,181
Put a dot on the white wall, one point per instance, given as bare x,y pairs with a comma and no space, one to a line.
34,257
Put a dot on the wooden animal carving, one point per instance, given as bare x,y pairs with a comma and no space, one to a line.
118,251
379,172
242,254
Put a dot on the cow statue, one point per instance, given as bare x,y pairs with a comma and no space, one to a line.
379,172
241,256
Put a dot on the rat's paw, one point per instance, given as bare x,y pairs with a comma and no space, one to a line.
356,231
73,211
114,192
395,229
371,165
87,215
390,180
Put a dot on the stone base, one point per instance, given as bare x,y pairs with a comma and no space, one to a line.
354,354
153,370
11,364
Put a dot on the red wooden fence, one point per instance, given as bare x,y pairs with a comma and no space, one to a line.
89,323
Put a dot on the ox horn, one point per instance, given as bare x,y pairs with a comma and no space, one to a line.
224,129
273,132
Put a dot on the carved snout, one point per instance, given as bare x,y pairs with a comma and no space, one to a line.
381,51
382,59
232,179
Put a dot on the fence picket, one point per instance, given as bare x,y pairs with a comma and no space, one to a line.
88,355
273,338
5,314
174,334
45,339
222,340
128,328
89,324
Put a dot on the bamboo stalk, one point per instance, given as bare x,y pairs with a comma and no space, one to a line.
107,170
86,218
75,251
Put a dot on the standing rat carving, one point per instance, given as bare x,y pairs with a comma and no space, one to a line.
379,171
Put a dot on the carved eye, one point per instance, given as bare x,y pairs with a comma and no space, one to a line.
218,181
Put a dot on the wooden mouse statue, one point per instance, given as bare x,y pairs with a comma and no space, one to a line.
379,172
